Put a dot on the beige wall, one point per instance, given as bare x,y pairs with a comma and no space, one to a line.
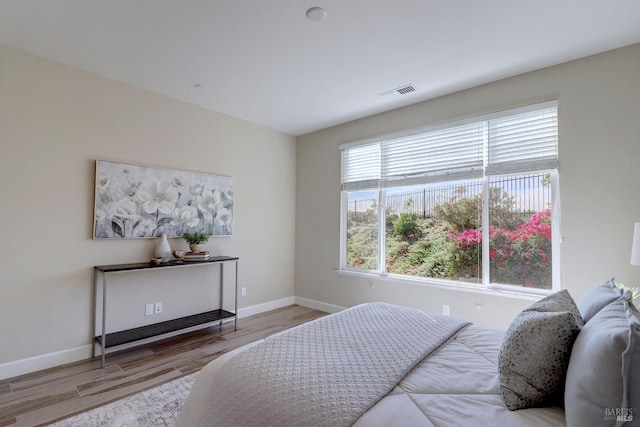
54,122
599,150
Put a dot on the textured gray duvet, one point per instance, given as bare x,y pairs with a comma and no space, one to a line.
372,365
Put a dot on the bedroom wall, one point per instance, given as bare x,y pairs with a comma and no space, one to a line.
599,152
54,122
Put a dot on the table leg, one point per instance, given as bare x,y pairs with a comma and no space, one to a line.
235,326
104,318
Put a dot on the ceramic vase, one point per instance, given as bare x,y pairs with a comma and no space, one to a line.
163,250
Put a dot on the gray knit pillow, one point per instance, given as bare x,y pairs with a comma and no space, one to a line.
534,356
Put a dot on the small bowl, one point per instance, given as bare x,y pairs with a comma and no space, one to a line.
179,254
156,261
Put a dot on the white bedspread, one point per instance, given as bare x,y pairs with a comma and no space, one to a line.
326,372
457,386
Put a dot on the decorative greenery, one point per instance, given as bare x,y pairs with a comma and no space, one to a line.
195,238
635,291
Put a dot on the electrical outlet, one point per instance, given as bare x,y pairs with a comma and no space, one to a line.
148,310
445,309
244,292
158,307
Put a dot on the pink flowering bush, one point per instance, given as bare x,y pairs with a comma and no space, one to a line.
518,257
468,253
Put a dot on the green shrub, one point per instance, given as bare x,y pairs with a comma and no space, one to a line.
428,255
362,247
406,225
463,212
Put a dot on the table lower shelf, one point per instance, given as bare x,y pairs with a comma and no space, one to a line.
130,335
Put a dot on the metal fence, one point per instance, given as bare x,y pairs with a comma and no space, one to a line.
528,193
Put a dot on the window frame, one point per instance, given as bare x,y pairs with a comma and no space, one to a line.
485,285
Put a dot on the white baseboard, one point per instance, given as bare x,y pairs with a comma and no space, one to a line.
62,357
261,308
318,305
44,361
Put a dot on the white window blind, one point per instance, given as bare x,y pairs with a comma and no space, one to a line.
504,143
361,167
523,142
449,153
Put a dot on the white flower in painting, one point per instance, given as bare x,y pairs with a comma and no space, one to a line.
145,228
187,215
209,201
103,180
128,190
101,214
227,196
178,181
223,218
196,189
158,196
123,209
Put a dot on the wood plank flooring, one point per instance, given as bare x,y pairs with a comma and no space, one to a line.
47,396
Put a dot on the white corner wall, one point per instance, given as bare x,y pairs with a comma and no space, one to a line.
54,122
599,150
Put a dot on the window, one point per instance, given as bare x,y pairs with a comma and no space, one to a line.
468,202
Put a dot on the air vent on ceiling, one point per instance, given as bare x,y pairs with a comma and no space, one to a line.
402,90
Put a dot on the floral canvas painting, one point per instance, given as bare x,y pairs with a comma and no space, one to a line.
138,201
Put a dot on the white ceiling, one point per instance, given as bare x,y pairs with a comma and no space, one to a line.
265,62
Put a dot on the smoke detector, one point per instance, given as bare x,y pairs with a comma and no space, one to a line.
316,14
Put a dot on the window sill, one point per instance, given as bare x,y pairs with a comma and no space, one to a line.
493,290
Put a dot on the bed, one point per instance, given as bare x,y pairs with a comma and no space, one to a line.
379,364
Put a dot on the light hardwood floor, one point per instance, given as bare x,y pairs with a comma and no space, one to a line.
46,396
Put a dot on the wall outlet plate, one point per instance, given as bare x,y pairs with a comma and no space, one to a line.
148,310
158,307
445,309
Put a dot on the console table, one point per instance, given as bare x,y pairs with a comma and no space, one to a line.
114,339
